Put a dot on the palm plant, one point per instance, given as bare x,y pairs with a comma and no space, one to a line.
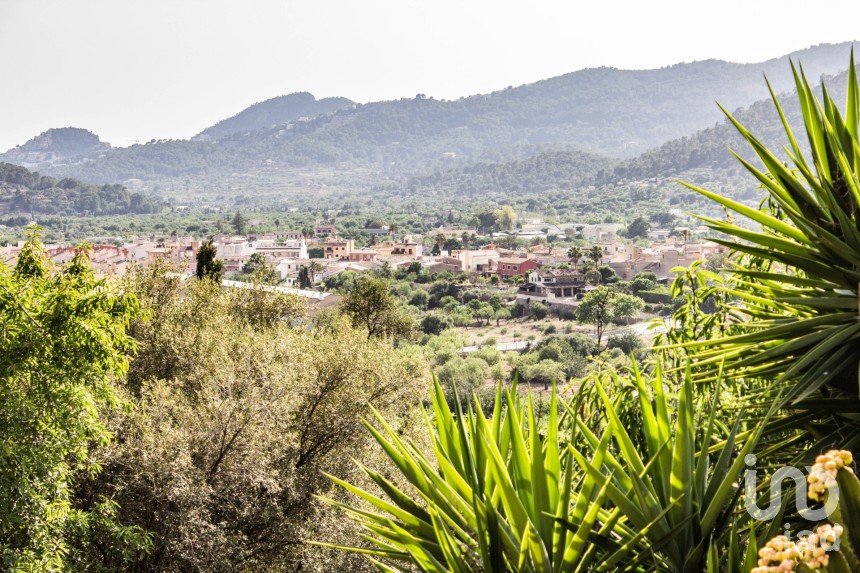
575,254
800,297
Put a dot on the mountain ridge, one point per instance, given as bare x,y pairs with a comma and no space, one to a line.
603,111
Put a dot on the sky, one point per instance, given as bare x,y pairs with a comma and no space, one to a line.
135,70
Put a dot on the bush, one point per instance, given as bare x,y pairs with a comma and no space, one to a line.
628,342
464,374
655,296
489,355
434,323
567,314
420,299
550,329
539,310
543,372
640,284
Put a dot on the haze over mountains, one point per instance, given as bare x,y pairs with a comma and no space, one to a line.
573,127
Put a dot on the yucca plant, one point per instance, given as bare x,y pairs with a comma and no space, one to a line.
802,326
679,493
498,494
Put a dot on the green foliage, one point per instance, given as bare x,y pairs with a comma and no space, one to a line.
63,335
638,228
490,495
676,488
539,310
208,266
235,421
255,262
627,342
434,323
371,306
798,282
603,305
239,223
23,191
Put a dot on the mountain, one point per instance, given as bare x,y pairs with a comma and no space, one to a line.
26,192
605,111
564,170
703,154
55,146
274,112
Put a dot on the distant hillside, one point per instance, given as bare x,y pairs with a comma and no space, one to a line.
26,192
704,152
563,170
57,146
274,112
607,111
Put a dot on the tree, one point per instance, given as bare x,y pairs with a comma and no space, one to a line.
593,277
277,225
501,314
506,218
236,424
641,283
371,306
466,239
484,312
595,254
63,341
255,262
314,269
626,306
797,257
208,266
607,274
434,323
638,228
239,223
539,310
628,342
575,255
420,299
304,278
487,221
596,309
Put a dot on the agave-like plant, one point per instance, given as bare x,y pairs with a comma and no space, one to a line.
494,495
802,326
512,493
680,492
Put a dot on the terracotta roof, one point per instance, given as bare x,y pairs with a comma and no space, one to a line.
514,260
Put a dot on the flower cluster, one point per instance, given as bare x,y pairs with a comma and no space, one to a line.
781,555
823,473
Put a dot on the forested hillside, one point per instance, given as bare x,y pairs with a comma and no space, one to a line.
603,110
26,192
704,151
275,111
57,145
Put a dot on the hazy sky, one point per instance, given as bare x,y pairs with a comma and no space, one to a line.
141,69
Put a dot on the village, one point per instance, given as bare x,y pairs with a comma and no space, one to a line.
303,262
